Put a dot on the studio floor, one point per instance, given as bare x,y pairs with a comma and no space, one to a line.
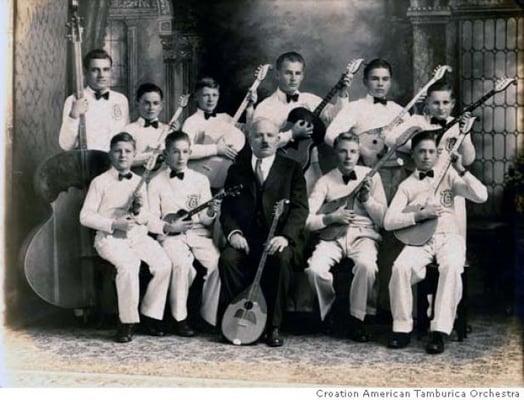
60,354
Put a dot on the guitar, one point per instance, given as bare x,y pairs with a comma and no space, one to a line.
186,215
300,150
423,231
335,231
245,318
372,143
215,167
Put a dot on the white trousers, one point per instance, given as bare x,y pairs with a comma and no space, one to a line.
182,250
410,268
362,293
126,254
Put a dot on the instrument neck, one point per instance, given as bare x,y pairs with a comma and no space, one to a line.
245,102
263,259
469,108
328,97
445,161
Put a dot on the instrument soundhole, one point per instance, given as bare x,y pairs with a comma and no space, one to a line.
375,141
248,305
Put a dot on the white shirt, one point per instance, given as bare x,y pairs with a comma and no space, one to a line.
331,186
108,199
169,195
146,138
265,166
104,119
205,133
276,109
413,191
361,115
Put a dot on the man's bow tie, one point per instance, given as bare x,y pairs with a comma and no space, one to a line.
429,173
129,175
99,95
437,121
148,122
380,100
349,177
209,115
179,175
291,97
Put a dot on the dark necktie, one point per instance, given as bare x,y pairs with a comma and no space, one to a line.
292,97
129,175
349,177
437,121
148,122
429,173
179,175
380,100
99,95
209,115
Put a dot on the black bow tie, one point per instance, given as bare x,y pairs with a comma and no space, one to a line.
148,122
174,174
349,177
436,121
291,97
429,173
99,95
209,115
129,175
380,100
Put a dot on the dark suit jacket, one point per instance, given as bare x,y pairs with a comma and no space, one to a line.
284,181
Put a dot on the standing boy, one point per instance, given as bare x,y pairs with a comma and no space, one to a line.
106,111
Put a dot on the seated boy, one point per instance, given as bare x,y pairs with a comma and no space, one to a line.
359,238
180,188
122,239
446,245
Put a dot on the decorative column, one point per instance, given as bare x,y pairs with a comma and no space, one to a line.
180,52
434,38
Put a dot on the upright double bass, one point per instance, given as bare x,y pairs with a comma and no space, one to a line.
57,257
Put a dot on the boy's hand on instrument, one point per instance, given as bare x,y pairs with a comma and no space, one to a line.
79,107
456,159
226,150
179,226
430,211
302,130
239,242
123,224
363,193
252,98
214,208
341,216
344,87
175,126
278,243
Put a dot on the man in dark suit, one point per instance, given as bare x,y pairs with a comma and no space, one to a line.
246,220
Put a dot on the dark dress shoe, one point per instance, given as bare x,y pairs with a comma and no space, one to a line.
274,339
436,343
153,327
182,328
124,333
359,332
398,340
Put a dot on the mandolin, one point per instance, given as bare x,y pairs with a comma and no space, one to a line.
423,231
245,318
300,150
186,215
215,167
372,142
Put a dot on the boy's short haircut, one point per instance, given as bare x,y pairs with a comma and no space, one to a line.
439,86
175,137
346,136
123,137
377,63
208,82
423,135
148,88
96,54
291,56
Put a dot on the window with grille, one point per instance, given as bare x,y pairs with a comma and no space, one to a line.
115,43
